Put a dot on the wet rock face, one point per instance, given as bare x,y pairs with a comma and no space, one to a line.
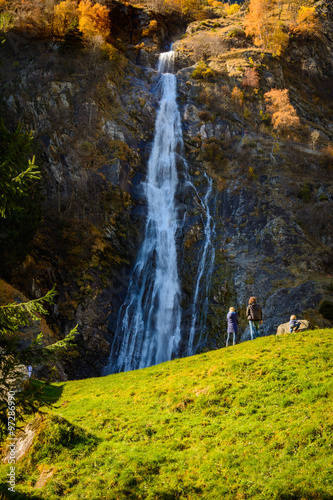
94,122
267,226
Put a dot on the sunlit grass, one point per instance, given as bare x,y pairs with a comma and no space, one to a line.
251,421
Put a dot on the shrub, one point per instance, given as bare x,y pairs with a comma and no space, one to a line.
247,114
307,22
204,116
202,71
237,96
305,192
6,22
212,151
150,29
251,78
236,33
65,14
326,309
233,9
265,118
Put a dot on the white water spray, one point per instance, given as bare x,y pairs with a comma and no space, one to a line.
203,277
148,330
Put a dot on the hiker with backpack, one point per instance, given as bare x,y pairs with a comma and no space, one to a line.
254,315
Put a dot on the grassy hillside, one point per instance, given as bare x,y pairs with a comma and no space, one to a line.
252,421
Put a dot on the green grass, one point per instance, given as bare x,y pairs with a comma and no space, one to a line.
252,421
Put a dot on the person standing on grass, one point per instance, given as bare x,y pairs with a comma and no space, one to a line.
254,315
232,320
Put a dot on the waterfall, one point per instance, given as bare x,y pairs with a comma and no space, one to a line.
148,329
204,274
149,322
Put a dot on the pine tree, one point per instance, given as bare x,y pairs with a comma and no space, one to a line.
20,195
17,178
17,172
15,354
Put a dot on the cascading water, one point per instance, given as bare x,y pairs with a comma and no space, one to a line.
203,277
149,322
148,330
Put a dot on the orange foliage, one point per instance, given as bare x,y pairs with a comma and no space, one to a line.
251,78
64,14
307,21
263,25
256,21
237,96
93,19
284,115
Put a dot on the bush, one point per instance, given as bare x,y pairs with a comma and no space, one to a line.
236,32
204,116
305,192
202,71
233,9
212,151
326,309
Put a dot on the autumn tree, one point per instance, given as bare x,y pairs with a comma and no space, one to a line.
314,136
237,96
284,115
250,79
64,16
93,19
257,21
307,22
261,23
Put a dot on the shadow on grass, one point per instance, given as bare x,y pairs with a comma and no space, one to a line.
50,394
8,495
299,495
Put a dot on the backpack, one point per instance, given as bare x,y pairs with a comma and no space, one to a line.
254,312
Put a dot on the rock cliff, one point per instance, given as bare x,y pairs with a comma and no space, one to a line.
92,116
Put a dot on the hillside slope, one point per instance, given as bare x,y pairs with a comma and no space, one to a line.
252,421
92,114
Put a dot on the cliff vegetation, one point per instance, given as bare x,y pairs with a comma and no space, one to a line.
255,93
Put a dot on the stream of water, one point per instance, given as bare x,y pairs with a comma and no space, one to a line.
149,322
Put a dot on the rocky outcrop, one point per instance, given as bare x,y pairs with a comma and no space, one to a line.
286,329
268,227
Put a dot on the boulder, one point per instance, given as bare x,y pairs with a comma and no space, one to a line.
285,327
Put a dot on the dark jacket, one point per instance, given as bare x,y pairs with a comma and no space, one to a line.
253,312
232,322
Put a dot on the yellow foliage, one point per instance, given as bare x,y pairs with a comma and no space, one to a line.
307,20
264,26
151,28
278,41
284,115
93,19
191,5
237,96
3,5
232,9
64,14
